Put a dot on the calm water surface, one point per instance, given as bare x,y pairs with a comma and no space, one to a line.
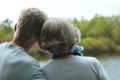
111,64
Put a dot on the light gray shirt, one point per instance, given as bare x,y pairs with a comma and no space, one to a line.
75,68
16,64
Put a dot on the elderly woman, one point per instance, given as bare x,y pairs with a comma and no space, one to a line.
58,37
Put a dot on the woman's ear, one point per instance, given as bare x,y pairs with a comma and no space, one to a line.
15,27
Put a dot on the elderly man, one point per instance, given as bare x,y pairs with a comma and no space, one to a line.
15,63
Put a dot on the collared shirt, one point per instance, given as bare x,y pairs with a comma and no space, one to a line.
16,64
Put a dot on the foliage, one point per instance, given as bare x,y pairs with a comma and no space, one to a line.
99,35
6,30
99,45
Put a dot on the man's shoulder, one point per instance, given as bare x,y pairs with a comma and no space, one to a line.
23,62
2,45
17,55
24,57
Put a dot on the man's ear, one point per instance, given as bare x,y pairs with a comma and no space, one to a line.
15,27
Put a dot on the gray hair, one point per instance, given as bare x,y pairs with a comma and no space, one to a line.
58,36
30,23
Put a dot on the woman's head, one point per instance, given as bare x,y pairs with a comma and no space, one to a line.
58,36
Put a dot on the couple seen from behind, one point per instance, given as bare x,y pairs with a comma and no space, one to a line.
59,38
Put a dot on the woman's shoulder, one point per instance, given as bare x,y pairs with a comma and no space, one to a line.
87,58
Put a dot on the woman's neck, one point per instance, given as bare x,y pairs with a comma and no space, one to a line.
63,57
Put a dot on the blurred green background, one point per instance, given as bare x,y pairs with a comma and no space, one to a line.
100,38
100,35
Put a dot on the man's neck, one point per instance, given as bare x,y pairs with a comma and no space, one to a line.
26,45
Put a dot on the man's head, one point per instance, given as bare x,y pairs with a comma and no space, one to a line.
29,24
58,36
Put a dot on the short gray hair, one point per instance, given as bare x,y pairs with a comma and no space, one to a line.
30,23
58,36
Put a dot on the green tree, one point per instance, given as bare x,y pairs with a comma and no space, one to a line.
97,27
6,30
6,25
116,30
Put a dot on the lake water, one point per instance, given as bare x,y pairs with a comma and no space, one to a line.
111,64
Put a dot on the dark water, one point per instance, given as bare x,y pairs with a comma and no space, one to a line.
111,64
